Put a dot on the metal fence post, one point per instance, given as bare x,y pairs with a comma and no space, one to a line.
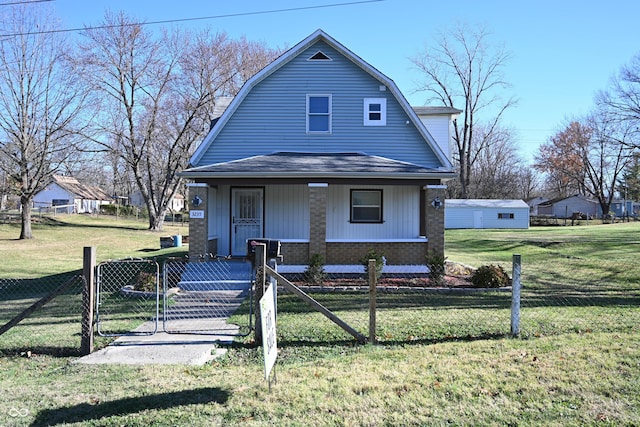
515,296
372,300
88,299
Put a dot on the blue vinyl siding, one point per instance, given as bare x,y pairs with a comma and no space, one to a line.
401,208
272,117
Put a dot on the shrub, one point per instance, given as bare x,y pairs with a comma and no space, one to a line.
490,276
314,274
436,264
120,210
380,262
145,282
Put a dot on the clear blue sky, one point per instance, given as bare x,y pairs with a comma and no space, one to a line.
563,51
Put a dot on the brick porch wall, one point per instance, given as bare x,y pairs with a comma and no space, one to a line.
295,253
351,252
394,252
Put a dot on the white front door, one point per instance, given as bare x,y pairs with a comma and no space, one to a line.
246,218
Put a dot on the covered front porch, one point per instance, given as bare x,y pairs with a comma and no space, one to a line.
336,206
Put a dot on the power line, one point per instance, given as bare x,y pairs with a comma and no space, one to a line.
13,3
201,18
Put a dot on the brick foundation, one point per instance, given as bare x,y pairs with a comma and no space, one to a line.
352,252
295,253
394,252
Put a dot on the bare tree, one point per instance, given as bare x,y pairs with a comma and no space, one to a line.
157,96
589,156
463,71
498,171
563,159
40,104
609,155
622,99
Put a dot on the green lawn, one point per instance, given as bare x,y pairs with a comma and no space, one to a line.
58,242
442,359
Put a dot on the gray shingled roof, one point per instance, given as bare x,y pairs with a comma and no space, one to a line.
326,165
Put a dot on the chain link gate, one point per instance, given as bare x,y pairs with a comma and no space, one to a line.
127,297
201,296
197,297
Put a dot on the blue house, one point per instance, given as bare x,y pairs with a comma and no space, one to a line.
622,207
322,152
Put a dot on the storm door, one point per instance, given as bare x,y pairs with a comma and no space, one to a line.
246,218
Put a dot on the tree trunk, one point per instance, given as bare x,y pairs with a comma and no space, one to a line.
156,222
25,231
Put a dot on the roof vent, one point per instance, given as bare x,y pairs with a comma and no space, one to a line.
319,56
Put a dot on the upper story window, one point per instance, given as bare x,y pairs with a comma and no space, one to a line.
318,113
375,112
366,206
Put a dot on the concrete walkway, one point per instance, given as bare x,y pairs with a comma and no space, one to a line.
160,349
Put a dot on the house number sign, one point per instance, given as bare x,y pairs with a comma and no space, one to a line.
196,214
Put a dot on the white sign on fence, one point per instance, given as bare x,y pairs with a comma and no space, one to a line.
268,318
196,214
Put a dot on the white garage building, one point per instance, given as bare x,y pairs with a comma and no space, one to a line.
485,213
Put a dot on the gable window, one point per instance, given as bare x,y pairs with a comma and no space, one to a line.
366,206
318,113
504,215
319,56
375,112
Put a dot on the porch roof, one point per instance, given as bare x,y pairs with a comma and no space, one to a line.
316,165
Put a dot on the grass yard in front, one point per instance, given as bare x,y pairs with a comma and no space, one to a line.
571,379
442,359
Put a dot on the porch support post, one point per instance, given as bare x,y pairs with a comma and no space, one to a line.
198,220
434,217
318,219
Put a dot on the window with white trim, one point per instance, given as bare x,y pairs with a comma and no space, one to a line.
375,111
366,206
318,113
505,215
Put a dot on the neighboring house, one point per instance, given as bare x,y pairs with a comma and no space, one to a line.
565,207
621,207
534,203
71,196
485,213
321,151
176,205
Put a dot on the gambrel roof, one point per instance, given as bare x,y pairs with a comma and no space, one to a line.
320,36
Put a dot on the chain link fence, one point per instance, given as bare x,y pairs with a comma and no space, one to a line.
128,297
201,296
41,315
408,306
566,295
572,295
580,295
